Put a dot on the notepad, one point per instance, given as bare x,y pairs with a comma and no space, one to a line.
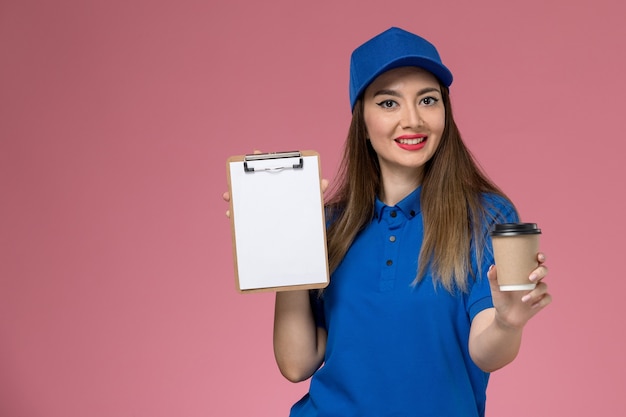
277,219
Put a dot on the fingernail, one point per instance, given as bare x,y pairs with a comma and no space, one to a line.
525,298
533,277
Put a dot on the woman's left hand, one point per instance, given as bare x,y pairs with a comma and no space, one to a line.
515,308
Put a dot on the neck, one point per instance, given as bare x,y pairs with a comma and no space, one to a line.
396,186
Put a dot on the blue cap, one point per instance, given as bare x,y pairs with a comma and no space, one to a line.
391,49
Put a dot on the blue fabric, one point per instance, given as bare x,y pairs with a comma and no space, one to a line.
395,349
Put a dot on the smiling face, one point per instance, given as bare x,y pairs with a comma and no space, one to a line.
405,118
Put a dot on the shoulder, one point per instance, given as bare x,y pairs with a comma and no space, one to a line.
332,212
499,208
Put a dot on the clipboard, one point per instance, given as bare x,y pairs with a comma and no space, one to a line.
277,221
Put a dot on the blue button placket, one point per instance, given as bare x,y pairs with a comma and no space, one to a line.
393,219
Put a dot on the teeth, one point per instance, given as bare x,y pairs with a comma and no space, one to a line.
411,141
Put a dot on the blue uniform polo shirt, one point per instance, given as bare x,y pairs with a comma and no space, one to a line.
395,349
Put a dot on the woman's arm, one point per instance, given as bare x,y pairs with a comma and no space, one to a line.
496,333
299,345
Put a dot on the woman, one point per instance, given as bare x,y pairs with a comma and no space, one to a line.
413,321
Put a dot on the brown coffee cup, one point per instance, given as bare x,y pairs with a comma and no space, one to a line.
515,248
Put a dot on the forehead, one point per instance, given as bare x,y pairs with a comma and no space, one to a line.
403,76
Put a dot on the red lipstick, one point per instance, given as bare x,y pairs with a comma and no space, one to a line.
413,142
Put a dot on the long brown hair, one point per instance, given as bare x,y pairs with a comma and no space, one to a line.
453,208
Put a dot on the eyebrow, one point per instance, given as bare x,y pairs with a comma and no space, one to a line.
394,93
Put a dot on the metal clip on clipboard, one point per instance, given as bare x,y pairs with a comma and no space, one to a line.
274,161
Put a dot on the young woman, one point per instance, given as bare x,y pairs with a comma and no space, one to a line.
413,321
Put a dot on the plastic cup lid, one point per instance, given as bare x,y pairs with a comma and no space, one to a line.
512,229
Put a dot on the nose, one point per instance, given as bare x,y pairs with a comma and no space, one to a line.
410,117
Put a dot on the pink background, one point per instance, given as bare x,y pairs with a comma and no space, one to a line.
117,295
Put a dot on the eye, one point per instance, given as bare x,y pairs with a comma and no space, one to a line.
429,101
387,104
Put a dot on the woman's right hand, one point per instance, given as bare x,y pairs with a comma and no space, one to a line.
226,197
